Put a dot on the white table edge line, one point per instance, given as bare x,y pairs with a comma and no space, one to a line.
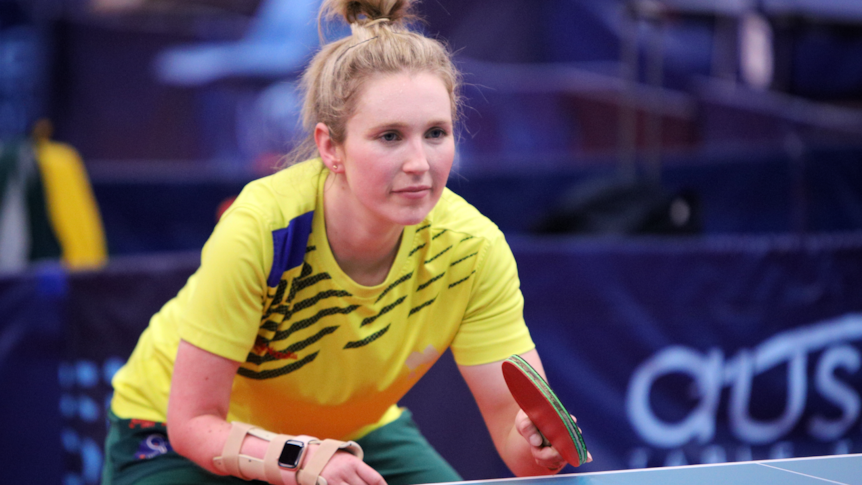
803,474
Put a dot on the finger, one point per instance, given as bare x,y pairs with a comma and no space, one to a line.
528,430
547,455
552,465
369,475
344,469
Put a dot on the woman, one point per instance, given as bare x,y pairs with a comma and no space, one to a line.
328,289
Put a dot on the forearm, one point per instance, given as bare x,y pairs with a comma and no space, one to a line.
198,407
202,438
198,430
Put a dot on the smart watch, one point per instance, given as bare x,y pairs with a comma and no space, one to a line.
291,454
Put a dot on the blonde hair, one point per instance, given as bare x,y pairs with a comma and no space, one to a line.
381,42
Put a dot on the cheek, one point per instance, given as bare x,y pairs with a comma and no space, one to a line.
372,181
445,157
364,171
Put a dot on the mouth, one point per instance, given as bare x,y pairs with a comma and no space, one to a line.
413,191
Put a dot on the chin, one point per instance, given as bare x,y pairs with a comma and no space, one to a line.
409,221
410,217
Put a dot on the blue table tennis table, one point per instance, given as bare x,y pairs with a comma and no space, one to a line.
822,470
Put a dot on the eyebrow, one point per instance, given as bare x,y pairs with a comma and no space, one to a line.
399,125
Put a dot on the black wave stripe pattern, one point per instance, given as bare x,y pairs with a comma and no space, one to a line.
425,285
462,279
423,305
269,374
438,255
292,348
299,283
417,248
439,234
276,298
426,226
302,344
307,322
384,311
270,325
306,270
394,284
275,305
304,282
279,292
309,302
367,340
464,259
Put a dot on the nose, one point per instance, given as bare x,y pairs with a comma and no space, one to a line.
416,158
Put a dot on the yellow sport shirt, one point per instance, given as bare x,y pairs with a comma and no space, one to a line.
322,355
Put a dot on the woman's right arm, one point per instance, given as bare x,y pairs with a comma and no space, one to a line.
197,425
198,405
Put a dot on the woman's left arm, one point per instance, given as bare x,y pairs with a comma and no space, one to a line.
516,438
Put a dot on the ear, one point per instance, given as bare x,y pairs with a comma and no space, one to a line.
328,149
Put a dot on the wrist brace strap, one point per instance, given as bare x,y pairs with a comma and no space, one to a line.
309,474
248,467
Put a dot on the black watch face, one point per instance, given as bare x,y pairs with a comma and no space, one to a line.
290,454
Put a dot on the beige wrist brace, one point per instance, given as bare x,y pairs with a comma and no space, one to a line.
248,467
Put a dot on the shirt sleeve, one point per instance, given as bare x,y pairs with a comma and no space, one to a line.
493,327
226,303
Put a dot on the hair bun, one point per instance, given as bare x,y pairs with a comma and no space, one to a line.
361,11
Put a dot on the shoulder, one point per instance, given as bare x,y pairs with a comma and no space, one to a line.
277,199
453,213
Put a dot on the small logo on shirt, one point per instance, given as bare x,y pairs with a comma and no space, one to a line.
152,446
261,346
417,359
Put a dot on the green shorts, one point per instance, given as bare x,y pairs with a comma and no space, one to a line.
138,452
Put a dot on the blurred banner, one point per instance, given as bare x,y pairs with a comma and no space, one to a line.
668,351
106,312
688,352
31,347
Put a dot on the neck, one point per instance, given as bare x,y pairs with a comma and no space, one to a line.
364,247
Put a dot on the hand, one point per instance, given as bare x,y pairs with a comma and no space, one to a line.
344,468
543,453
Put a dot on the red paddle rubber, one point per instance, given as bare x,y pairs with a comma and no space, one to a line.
541,405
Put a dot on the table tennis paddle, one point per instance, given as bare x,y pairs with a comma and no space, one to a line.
541,405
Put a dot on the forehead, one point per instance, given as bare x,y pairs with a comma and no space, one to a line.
403,96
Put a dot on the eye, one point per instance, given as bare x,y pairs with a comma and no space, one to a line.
389,136
436,133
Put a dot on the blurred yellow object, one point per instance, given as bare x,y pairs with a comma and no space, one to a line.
72,208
